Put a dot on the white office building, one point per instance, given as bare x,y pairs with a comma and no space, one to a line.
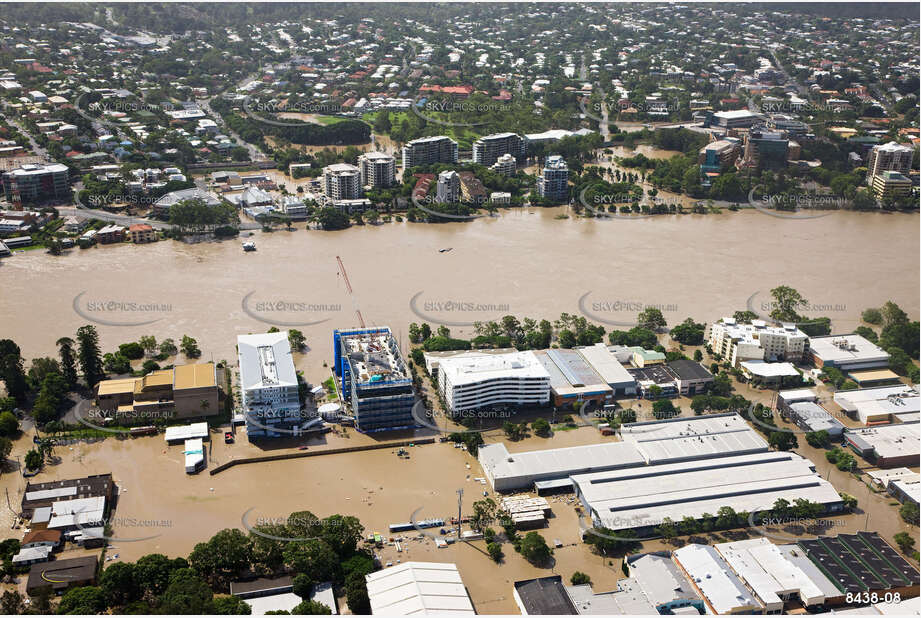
489,148
737,342
553,183
429,150
378,170
341,181
476,382
268,384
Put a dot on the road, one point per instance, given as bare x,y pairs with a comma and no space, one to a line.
38,150
205,104
787,79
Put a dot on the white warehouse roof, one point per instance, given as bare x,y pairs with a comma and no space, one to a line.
428,588
768,573
721,589
644,497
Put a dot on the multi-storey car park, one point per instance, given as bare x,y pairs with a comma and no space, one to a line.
374,378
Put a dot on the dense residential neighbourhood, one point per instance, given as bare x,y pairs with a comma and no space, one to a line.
471,308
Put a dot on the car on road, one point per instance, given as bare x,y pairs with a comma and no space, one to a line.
228,437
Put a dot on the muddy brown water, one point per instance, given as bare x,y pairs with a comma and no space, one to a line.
523,262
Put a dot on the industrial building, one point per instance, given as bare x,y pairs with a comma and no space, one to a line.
36,183
268,385
185,391
59,575
374,378
641,498
862,562
887,446
810,416
429,150
606,365
418,588
553,183
489,148
378,170
44,495
847,353
654,442
769,374
772,578
681,377
722,591
881,405
474,382
664,584
572,378
737,342
544,596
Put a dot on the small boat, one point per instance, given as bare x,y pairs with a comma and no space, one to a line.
445,250
249,245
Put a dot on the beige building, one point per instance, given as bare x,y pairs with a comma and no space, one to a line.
890,184
142,232
186,391
757,341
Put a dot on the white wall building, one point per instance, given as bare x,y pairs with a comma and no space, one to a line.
474,382
268,383
378,170
720,589
428,150
757,341
341,181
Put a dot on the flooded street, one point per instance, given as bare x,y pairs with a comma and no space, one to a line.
703,266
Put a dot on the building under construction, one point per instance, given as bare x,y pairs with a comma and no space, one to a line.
374,378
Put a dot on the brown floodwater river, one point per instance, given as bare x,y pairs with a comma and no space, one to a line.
525,262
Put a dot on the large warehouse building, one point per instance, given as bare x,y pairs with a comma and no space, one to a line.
881,405
887,446
641,498
645,443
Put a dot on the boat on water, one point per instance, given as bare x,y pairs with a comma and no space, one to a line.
445,250
249,245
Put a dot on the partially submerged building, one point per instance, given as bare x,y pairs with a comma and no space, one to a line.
887,446
374,378
644,444
268,384
418,588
